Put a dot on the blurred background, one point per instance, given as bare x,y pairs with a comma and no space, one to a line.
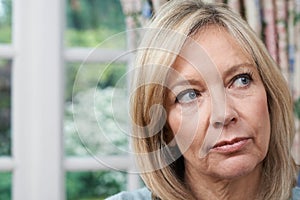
63,90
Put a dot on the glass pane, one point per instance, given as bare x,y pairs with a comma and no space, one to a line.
5,107
5,21
94,185
5,185
91,22
92,125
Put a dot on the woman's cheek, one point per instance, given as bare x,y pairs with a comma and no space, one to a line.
186,127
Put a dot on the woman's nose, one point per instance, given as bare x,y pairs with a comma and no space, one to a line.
223,112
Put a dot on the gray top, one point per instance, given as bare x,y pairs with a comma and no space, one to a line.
296,193
145,194
141,194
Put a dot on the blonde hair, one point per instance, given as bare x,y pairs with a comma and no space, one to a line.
161,44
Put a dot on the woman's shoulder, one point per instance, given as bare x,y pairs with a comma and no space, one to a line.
296,193
145,194
141,194
296,190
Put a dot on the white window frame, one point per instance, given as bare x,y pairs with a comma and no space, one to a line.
37,103
37,162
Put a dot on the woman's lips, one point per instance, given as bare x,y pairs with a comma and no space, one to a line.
230,146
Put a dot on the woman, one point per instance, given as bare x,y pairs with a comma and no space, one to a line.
212,115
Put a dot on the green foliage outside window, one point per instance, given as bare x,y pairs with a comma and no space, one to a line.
5,107
5,21
96,80
5,185
94,185
91,22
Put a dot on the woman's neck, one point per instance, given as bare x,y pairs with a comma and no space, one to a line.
206,187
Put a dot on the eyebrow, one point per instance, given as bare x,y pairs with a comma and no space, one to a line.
229,72
186,82
235,68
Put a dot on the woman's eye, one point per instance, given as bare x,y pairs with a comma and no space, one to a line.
187,96
242,80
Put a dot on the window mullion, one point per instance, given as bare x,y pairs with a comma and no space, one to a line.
6,51
6,164
96,164
90,55
37,103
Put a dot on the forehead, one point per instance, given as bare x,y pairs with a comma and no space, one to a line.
217,44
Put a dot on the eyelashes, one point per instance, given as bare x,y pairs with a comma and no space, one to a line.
187,96
241,80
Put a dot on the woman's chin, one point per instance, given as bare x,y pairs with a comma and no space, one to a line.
235,167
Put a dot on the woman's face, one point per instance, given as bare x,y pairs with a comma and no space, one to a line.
219,113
